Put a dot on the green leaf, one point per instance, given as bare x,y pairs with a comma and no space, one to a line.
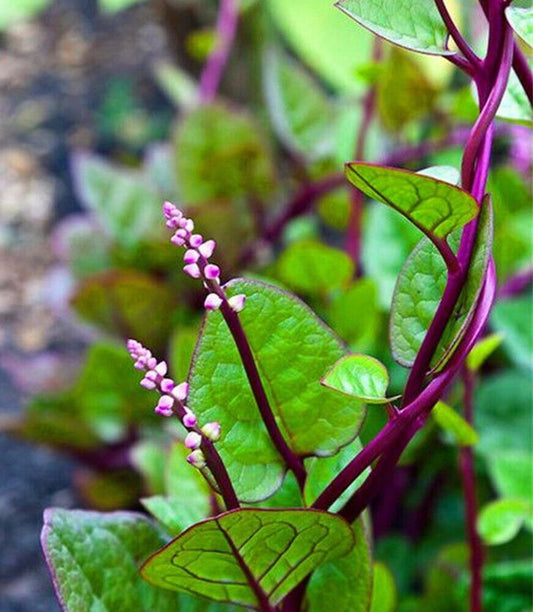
434,206
384,595
413,24
388,239
515,106
125,203
510,472
113,6
177,84
354,315
321,37
299,109
452,422
512,318
420,287
120,302
12,12
293,350
482,351
149,459
171,512
345,582
221,155
238,555
521,20
322,470
503,414
311,267
94,561
360,376
404,93
501,520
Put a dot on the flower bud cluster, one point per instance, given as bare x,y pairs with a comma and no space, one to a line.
196,259
173,401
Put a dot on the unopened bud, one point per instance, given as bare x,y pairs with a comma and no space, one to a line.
237,302
211,431
193,440
197,459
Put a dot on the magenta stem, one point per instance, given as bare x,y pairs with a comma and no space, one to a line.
291,459
472,59
466,468
226,29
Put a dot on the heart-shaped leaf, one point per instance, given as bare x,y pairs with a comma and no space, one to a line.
359,376
94,559
293,350
521,20
419,289
434,206
249,557
413,24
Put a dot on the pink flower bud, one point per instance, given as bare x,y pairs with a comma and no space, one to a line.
181,391
195,240
148,384
207,248
177,239
191,256
186,224
193,440
151,375
170,211
189,419
197,459
192,270
151,363
212,302
165,405
237,302
211,271
211,431
161,368
167,385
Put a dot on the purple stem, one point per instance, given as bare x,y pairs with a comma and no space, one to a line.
226,28
472,59
517,284
466,468
292,461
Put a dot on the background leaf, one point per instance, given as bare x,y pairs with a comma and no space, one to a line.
521,20
413,24
293,350
384,596
500,521
447,418
278,547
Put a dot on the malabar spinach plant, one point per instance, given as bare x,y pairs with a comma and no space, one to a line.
265,504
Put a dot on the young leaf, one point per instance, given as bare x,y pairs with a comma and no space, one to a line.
419,289
521,20
293,350
500,521
482,351
434,206
359,376
249,557
451,421
413,24
312,267
94,561
384,594
345,582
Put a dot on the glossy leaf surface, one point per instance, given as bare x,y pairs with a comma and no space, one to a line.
434,206
413,24
243,556
293,350
359,376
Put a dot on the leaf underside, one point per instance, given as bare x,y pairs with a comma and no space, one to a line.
420,287
247,554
